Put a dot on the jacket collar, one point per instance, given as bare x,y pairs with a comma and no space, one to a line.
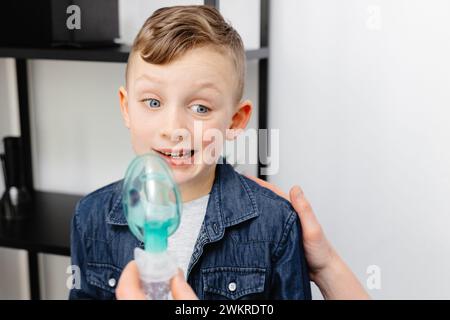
231,202
115,215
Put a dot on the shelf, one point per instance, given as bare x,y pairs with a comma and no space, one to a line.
114,54
46,229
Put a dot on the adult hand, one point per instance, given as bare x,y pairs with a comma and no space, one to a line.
129,286
327,269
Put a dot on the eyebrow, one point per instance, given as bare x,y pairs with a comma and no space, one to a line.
148,77
207,85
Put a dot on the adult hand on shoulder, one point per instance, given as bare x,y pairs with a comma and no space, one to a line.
327,269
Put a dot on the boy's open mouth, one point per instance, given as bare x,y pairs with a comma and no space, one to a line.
180,154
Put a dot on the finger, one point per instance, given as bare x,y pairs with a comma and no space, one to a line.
181,290
310,224
269,186
129,286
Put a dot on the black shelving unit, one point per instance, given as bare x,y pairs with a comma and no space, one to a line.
48,228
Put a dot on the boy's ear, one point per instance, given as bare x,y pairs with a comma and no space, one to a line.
123,98
240,119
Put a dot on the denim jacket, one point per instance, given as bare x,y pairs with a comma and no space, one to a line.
249,245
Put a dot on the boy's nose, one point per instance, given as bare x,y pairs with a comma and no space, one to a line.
174,127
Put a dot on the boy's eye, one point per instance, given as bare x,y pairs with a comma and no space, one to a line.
153,103
198,108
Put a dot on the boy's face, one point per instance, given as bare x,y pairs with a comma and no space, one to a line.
176,109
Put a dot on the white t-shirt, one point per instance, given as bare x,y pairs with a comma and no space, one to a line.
182,242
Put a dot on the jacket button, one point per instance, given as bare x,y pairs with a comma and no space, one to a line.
112,282
232,286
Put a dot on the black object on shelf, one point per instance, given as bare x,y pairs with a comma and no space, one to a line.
16,200
79,23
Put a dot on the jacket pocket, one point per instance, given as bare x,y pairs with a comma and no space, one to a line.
104,278
233,283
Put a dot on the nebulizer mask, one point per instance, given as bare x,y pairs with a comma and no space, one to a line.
152,205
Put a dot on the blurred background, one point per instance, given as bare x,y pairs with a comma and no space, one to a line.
360,91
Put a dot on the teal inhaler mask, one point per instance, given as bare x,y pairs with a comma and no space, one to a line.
152,205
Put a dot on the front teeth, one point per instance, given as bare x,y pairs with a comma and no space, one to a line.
179,154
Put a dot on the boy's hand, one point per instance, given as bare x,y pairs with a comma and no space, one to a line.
129,286
333,277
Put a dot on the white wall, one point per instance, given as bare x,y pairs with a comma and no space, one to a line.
79,141
362,101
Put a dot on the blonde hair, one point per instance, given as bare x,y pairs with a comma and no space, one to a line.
172,31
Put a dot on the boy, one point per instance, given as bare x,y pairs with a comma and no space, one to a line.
237,240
